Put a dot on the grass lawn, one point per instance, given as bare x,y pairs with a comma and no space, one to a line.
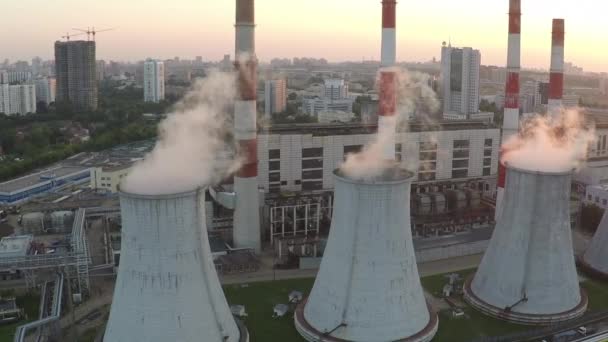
30,304
260,298
598,294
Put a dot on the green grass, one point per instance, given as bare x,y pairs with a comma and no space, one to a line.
598,294
259,300
30,303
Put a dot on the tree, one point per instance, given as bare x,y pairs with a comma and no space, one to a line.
292,96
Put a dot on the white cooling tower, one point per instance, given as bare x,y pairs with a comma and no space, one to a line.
368,288
167,287
528,273
595,259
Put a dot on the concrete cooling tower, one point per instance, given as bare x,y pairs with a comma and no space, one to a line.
528,273
167,287
368,288
595,259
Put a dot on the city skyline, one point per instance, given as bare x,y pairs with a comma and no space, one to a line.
206,29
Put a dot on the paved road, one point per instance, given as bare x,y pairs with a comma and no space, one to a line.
425,269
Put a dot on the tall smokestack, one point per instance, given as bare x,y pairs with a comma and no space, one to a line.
556,80
510,124
246,231
387,107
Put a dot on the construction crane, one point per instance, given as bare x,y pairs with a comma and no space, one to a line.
91,31
68,35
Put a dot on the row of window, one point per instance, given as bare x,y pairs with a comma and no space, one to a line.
424,146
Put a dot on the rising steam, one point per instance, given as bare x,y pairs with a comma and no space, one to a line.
414,97
192,149
550,143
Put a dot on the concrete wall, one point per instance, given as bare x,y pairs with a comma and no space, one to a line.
451,251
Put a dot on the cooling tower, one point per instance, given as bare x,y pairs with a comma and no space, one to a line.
595,259
167,287
368,288
528,274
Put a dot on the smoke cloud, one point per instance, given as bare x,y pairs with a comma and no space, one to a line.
416,98
194,146
550,143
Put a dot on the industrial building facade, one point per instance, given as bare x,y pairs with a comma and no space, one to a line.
304,158
76,76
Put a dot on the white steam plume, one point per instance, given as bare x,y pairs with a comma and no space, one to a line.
192,149
414,97
550,143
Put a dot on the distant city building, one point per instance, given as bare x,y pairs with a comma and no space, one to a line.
335,89
76,74
226,64
21,99
101,70
3,77
460,75
314,106
15,77
45,90
154,81
334,98
4,98
604,86
275,96
36,66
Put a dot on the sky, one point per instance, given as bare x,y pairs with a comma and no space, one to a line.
338,30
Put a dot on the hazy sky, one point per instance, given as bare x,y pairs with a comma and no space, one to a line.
335,29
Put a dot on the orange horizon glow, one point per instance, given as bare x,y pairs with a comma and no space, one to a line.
337,30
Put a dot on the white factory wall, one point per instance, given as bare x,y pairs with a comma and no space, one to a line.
108,179
291,146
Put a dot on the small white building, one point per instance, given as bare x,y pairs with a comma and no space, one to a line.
108,178
154,81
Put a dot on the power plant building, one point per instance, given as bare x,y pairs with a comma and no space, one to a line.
528,273
76,76
302,158
368,287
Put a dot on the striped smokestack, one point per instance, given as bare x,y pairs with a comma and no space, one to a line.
246,230
387,106
556,80
510,124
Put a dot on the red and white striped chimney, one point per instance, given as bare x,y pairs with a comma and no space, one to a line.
556,79
246,231
387,106
510,123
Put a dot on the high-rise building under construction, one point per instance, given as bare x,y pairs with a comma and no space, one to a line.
76,76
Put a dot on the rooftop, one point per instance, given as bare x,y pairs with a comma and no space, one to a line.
39,177
317,129
11,246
